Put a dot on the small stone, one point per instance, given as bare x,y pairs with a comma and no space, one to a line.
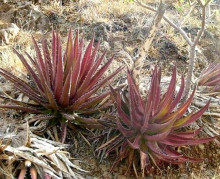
8,32
36,19
201,146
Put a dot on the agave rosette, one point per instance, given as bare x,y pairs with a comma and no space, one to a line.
152,126
64,85
210,78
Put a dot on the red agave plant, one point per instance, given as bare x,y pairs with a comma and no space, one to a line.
151,127
65,85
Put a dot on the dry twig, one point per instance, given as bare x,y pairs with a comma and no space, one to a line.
192,43
138,64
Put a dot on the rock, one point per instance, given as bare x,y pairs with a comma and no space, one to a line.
5,7
8,32
128,18
118,46
100,32
29,17
139,33
118,26
211,46
105,46
201,146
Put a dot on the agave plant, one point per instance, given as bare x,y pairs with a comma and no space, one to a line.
64,85
151,127
210,78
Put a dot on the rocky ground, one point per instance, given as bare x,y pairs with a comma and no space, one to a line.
121,26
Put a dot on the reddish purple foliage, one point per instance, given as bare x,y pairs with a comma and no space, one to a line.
151,126
64,84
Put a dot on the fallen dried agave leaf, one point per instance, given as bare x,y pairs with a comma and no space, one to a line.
41,157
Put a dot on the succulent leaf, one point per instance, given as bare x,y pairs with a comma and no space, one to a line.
62,83
150,126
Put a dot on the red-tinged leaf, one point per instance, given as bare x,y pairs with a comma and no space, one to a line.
42,82
40,61
38,83
190,118
72,52
113,147
155,127
22,108
170,151
209,74
124,117
54,55
23,87
156,101
48,63
87,58
69,53
178,96
94,101
213,82
136,101
75,78
47,176
93,56
158,136
77,48
50,97
86,96
176,162
177,142
17,80
30,70
100,73
124,151
65,96
136,116
180,110
170,92
149,102
166,109
189,134
125,131
59,71
153,146
83,84
18,102
182,158
135,143
22,173
33,61
44,117
107,79
114,94
109,143
33,172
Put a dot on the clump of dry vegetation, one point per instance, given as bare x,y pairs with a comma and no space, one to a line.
145,122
